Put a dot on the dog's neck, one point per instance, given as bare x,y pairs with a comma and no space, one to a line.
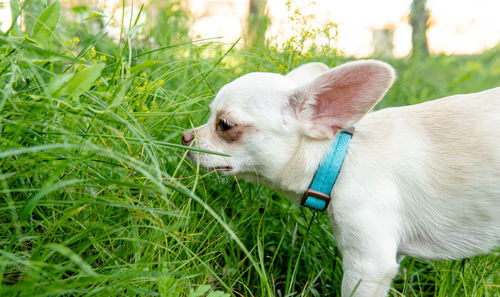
297,175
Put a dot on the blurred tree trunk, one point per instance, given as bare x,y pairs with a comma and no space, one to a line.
257,23
419,16
383,42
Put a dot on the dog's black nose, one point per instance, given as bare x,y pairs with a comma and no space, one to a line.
187,138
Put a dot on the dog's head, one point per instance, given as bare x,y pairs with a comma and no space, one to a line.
261,119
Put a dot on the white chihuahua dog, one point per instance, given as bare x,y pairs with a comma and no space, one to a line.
421,180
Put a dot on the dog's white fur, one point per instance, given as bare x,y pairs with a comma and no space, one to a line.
421,180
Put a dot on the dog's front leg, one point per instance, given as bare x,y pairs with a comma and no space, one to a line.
369,273
369,246
368,279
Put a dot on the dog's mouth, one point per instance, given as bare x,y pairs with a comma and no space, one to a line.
209,167
223,168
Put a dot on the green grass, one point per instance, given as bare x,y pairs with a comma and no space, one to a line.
98,200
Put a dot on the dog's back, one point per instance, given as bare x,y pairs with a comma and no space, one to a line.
444,158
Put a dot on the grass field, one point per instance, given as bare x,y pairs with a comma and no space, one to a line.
98,200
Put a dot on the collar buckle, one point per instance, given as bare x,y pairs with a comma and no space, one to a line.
315,200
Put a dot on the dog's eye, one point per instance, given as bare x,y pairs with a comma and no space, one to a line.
224,126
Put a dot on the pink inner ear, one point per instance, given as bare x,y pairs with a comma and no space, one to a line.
339,96
346,93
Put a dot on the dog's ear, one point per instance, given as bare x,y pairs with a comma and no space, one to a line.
340,97
307,72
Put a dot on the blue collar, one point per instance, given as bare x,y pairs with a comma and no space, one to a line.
318,195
